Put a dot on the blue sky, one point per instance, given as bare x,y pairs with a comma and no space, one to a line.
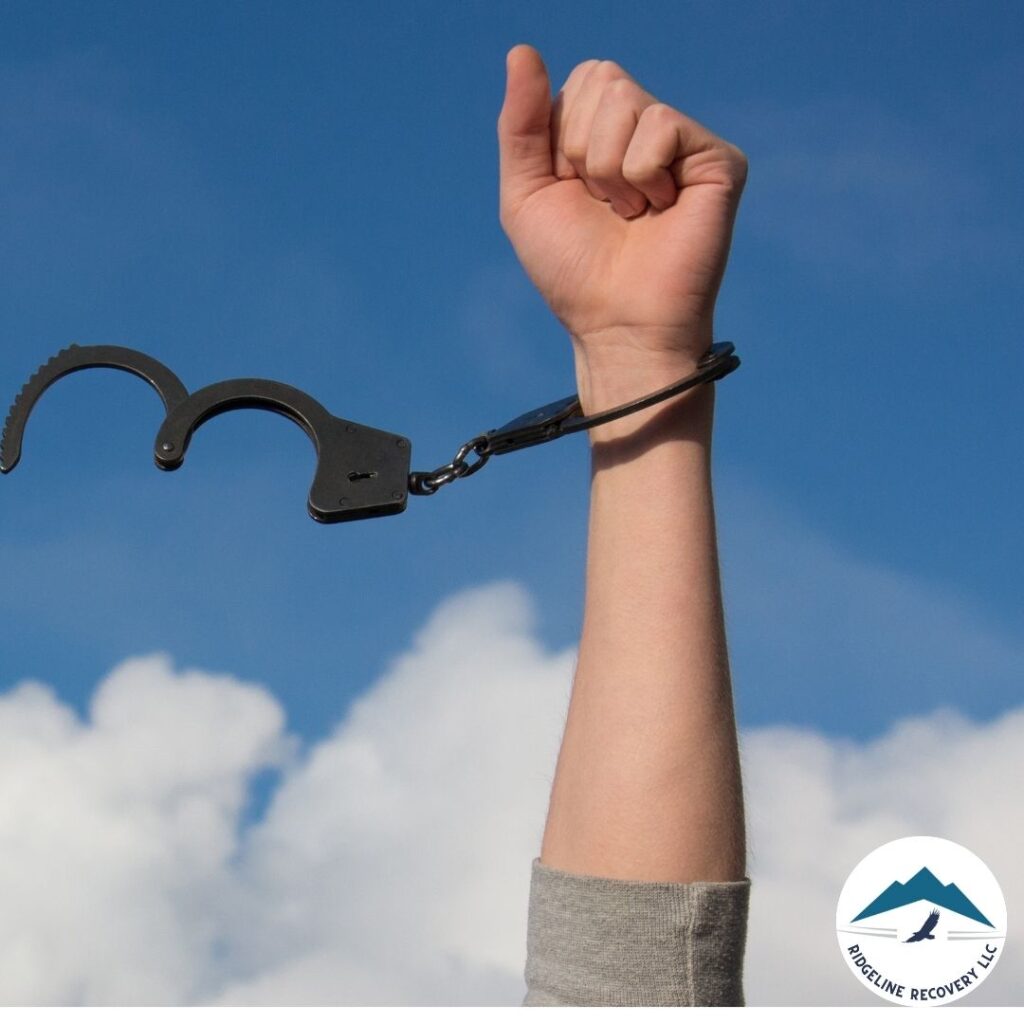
233,742
308,192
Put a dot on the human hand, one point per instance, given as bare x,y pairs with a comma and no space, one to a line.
620,209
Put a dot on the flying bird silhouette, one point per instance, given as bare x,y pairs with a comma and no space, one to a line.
925,931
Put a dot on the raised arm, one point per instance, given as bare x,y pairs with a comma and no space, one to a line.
620,209
647,785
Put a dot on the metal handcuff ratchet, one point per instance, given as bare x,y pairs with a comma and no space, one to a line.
361,472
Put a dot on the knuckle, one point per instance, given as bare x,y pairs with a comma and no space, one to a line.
618,88
741,164
584,68
660,113
639,169
736,165
609,69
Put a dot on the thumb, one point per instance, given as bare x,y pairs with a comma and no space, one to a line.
524,128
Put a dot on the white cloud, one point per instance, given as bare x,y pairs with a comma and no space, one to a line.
116,835
414,825
392,865
817,806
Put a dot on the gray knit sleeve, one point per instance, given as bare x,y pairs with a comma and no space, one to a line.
608,942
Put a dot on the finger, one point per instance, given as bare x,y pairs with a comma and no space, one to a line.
622,103
524,128
564,102
580,118
670,151
651,152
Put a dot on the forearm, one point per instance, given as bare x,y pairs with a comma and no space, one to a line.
648,784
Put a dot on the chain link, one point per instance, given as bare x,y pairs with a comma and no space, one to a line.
428,483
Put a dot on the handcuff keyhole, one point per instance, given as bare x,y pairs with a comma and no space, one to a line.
354,476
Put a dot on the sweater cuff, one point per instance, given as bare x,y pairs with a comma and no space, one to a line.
610,942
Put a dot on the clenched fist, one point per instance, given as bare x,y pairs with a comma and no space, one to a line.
620,209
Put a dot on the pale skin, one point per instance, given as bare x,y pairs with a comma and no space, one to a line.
620,209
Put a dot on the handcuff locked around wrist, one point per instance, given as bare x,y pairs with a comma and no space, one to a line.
361,472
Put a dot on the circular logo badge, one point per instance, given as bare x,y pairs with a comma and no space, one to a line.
921,921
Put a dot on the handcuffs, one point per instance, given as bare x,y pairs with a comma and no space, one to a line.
361,472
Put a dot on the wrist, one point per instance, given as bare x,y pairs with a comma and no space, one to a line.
688,418
617,365
616,376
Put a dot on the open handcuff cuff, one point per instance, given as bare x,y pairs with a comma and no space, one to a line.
361,472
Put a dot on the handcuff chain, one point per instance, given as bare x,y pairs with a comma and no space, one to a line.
558,419
429,483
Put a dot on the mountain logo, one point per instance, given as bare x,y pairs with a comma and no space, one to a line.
923,886
921,920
